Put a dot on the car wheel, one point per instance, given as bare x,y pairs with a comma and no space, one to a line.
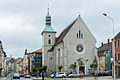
71,76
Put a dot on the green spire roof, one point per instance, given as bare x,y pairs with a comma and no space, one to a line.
48,27
48,15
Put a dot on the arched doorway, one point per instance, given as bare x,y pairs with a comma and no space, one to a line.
81,65
82,69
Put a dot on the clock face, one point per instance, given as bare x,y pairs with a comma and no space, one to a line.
79,48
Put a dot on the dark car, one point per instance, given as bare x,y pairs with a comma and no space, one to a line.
109,73
16,76
102,73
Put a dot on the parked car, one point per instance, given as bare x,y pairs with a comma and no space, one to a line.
76,74
22,75
58,74
16,76
109,73
102,73
27,76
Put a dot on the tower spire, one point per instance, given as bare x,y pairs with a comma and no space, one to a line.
48,19
48,27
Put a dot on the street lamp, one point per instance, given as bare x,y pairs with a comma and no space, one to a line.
113,42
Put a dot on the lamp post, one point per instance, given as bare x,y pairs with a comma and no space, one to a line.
113,42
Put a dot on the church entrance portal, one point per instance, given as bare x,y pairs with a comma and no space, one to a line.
82,69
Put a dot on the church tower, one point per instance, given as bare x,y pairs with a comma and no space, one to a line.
48,39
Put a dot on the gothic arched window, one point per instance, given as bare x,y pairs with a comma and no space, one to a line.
79,35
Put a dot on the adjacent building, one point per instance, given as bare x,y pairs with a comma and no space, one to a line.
75,41
104,56
117,55
18,65
32,59
2,60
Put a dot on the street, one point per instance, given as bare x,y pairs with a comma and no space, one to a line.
84,78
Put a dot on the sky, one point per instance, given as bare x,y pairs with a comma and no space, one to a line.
22,21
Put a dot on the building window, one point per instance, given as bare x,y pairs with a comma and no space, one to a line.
115,43
118,43
51,58
79,35
115,57
119,71
118,56
58,56
49,41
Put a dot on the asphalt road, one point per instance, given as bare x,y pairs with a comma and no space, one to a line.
84,78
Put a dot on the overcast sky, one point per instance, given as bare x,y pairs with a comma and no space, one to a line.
22,21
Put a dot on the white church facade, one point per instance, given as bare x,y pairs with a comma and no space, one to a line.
75,42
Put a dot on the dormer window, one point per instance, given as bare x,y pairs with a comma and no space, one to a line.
80,35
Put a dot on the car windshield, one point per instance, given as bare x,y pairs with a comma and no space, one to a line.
74,72
60,73
16,74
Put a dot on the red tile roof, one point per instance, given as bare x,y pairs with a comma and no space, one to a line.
19,58
38,51
117,36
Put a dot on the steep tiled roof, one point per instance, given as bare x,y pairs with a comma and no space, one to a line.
105,47
30,53
19,58
62,35
117,36
38,51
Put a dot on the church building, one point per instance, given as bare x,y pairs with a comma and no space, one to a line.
75,42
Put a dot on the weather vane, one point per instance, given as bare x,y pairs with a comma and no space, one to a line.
79,12
48,7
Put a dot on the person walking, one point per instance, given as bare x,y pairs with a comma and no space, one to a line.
54,74
42,75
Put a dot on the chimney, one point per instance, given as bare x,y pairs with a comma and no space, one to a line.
102,44
108,41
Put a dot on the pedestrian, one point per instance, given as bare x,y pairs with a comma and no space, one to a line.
42,75
54,74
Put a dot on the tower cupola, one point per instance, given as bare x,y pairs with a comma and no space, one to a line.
48,27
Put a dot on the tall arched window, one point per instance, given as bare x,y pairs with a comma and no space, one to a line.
118,43
79,34
49,41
